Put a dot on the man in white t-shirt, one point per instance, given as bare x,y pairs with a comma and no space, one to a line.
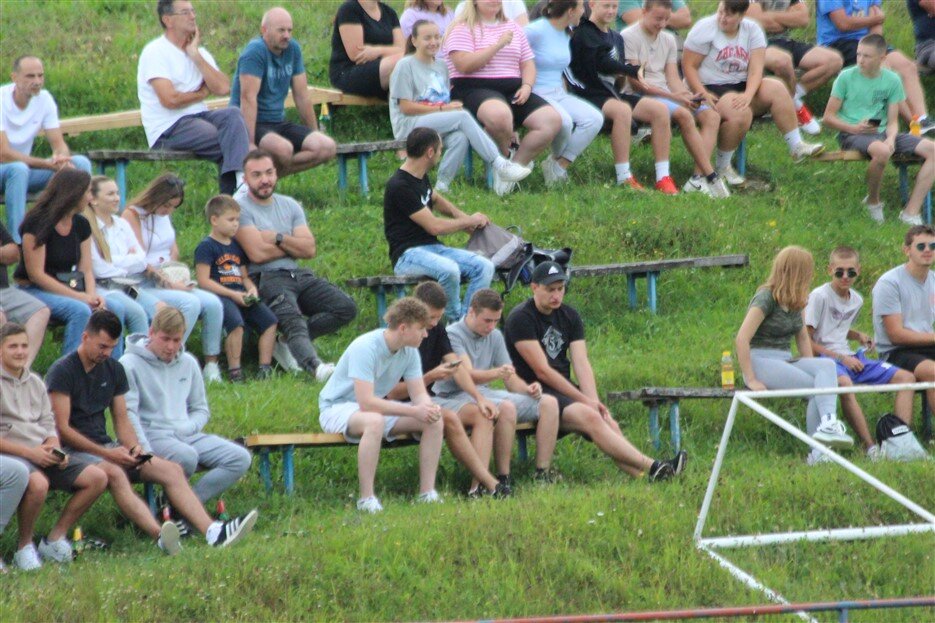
174,76
829,317
25,110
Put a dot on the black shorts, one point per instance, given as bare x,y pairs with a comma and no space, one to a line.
798,49
363,80
848,49
909,358
475,91
59,479
722,89
599,100
563,400
292,132
258,316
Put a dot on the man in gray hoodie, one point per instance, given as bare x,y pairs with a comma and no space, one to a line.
169,409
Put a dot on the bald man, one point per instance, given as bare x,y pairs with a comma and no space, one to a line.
268,66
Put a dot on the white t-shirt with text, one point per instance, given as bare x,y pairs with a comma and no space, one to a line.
726,59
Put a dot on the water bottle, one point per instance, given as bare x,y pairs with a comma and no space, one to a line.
727,370
915,128
324,119
77,541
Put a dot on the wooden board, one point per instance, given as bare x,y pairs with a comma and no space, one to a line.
853,155
358,148
158,155
648,394
324,439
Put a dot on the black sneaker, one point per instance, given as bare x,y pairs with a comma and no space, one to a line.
678,462
264,373
502,490
235,529
235,375
661,470
547,476
476,494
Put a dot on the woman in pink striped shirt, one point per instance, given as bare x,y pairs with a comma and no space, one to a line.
492,72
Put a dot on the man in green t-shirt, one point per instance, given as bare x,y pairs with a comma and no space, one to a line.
864,109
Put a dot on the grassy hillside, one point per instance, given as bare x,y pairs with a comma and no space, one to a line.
599,542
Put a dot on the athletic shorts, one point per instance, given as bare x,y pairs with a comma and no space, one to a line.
336,418
258,316
363,79
925,53
722,89
18,306
475,91
905,143
798,49
563,400
133,473
875,372
59,479
292,132
672,106
848,49
527,407
909,358
599,100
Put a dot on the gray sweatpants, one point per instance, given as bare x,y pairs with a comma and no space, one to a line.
225,461
459,131
775,369
14,477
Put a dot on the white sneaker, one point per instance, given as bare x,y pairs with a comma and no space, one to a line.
730,175
442,187
874,454
59,551
324,371
430,497
696,185
283,356
806,150
553,173
832,432
718,188
510,171
169,539
915,219
874,209
369,505
642,134
816,456
212,373
501,186
27,559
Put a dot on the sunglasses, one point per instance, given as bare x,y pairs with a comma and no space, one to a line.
850,272
920,246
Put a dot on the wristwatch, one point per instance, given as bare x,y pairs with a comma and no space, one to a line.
279,238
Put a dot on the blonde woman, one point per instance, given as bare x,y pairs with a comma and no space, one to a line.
774,318
433,11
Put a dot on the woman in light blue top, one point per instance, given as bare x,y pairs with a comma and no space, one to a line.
549,39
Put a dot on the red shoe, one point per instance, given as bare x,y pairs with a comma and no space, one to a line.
632,184
667,186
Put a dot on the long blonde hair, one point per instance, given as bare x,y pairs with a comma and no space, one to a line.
791,277
420,4
468,16
89,214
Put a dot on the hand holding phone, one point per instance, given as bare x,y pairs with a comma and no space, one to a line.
453,364
875,122
59,454
144,458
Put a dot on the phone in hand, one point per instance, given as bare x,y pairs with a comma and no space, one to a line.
144,458
698,99
875,122
59,454
453,364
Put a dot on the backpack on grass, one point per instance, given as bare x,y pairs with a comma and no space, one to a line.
897,442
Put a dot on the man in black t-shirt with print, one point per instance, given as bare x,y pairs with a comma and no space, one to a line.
411,227
545,339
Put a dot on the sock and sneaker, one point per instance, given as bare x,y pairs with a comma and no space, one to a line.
874,209
724,168
712,185
664,470
799,149
806,119
664,182
625,177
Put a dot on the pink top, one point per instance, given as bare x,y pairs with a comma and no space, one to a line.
504,64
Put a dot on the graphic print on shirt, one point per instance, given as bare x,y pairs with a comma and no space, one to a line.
553,342
733,59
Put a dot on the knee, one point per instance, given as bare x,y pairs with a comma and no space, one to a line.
437,427
499,122
18,171
187,459
96,480
782,64
879,154
38,485
548,405
81,163
211,306
834,62
844,381
551,120
507,413
240,459
487,268
116,477
346,309
371,424
900,64
903,376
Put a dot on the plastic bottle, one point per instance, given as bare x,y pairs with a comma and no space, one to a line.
324,119
915,128
222,511
77,541
727,370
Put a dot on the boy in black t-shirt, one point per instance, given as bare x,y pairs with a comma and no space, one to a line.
545,340
220,267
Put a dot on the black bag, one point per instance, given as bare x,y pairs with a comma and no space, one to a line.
74,279
513,257
897,442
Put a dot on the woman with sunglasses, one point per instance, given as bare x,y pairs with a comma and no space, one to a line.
149,215
774,318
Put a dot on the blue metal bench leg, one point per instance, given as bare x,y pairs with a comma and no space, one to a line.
264,470
742,157
288,468
489,169
651,286
122,181
903,182
654,425
675,427
521,443
380,293
631,290
342,172
149,489
362,168
469,164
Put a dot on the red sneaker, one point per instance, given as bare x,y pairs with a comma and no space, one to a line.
631,183
667,186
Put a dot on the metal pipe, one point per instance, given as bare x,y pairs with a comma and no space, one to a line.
832,534
715,472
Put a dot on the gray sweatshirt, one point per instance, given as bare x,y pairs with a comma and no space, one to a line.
165,397
25,410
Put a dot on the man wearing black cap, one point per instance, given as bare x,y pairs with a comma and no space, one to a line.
545,339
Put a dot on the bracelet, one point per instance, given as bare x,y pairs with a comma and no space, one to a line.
526,84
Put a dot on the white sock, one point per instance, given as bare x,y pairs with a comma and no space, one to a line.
623,171
799,94
792,138
213,531
662,169
723,158
922,118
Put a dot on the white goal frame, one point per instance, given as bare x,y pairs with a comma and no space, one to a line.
750,399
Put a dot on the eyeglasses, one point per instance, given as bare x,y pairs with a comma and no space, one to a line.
851,273
184,12
920,246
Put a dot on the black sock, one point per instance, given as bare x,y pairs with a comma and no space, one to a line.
711,177
654,467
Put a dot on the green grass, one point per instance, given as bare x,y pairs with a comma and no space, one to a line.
600,542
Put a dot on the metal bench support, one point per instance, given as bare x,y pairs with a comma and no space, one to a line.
651,278
675,426
264,469
742,158
288,468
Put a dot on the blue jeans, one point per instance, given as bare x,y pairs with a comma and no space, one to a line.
17,180
447,265
192,304
71,312
131,314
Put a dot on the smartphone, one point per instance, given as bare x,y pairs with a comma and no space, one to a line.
698,99
144,458
454,364
59,454
875,122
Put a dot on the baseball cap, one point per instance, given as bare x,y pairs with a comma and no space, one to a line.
547,273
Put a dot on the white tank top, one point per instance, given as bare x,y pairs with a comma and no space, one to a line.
158,237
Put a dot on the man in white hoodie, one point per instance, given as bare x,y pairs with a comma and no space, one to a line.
169,409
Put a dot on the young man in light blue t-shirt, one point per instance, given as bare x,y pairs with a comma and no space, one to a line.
864,109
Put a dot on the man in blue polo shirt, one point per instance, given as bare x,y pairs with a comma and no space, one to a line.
268,67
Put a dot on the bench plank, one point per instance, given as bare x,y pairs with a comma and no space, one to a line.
852,155
142,155
358,148
648,394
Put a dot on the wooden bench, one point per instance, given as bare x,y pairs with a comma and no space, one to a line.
287,443
121,158
361,151
380,284
900,161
